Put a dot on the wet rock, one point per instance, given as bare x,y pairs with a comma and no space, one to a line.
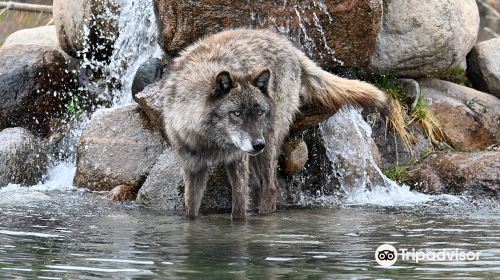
483,66
123,193
73,19
118,147
458,172
294,156
34,85
23,158
164,189
421,37
470,118
148,73
324,30
393,150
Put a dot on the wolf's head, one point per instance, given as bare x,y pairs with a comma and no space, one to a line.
241,110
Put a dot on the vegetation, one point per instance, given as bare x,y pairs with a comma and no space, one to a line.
398,173
399,118
431,125
75,108
455,75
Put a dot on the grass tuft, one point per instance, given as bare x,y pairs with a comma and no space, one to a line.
455,75
398,173
431,125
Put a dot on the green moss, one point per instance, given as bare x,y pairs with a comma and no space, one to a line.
74,107
455,75
398,173
390,85
421,110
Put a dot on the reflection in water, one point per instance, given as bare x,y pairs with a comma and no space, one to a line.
80,234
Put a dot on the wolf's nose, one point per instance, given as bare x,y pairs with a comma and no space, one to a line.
258,146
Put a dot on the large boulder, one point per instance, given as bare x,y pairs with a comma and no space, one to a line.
470,118
118,147
35,82
421,37
458,172
331,32
86,28
483,66
23,157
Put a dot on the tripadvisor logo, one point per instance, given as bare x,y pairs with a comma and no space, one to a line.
387,255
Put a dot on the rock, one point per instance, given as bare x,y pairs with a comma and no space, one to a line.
458,172
151,102
411,89
96,18
118,147
23,159
392,149
324,29
148,73
122,193
34,85
164,189
294,156
421,37
40,36
483,66
470,118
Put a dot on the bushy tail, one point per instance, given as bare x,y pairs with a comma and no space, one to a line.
333,91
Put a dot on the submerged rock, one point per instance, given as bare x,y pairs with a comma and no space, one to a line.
470,118
118,147
483,66
459,172
324,29
35,82
123,193
421,37
23,157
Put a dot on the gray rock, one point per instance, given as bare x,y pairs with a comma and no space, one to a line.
148,73
164,189
34,85
421,37
483,66
39,36
118,147
470,118
23,157
459,172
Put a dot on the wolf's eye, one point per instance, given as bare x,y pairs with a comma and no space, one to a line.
237,113
260,112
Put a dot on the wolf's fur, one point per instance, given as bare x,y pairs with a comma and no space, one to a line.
261,77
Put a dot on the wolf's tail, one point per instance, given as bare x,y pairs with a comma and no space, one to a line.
333,91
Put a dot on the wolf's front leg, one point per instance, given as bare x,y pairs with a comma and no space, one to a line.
195,183
268,192
237,173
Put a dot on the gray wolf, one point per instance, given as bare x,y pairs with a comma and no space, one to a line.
230,98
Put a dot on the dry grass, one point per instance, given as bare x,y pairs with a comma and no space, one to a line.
431,125
399,118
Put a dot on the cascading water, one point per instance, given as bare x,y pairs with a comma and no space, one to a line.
135,44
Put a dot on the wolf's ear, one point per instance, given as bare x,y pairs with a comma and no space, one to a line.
261,81
223,84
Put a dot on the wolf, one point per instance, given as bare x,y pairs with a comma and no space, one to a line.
230,99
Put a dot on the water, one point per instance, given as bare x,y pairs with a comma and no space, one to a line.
72,234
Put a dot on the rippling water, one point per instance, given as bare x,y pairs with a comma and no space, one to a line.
54,231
